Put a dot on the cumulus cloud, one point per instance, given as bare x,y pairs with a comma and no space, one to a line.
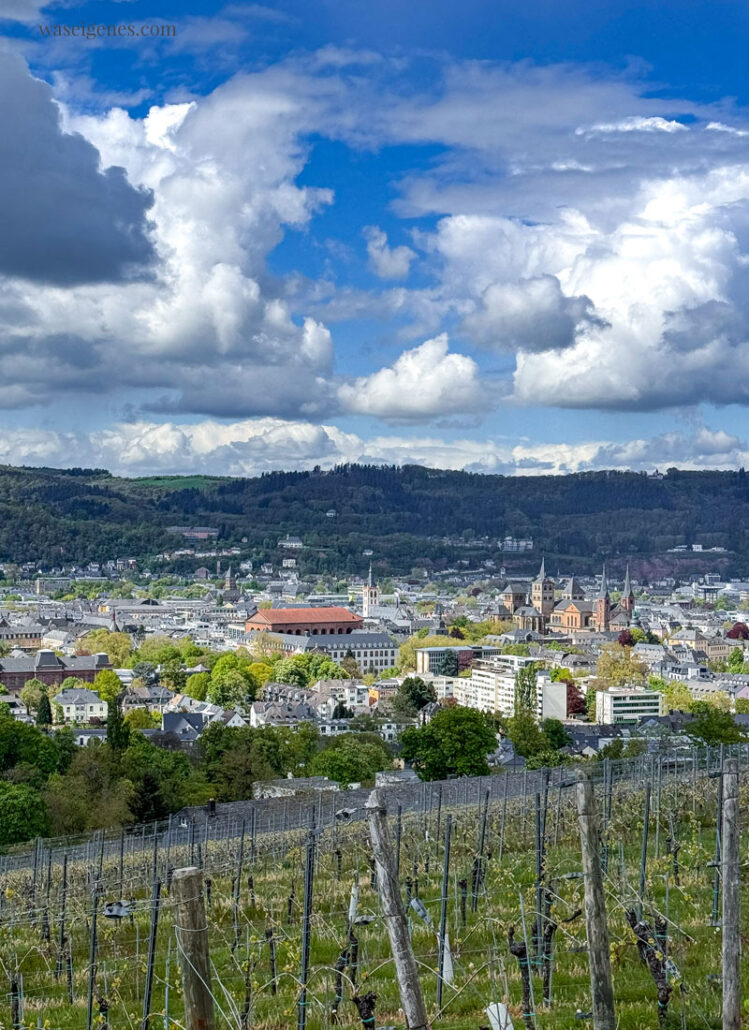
529,315
612,262
212,332
424,382
64,220
253,446
387,262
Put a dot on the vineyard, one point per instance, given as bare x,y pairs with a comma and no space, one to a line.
490,873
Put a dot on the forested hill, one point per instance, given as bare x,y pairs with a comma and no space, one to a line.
408,516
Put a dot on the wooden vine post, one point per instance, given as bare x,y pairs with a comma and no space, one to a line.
599,959
192,943
731,897
406,970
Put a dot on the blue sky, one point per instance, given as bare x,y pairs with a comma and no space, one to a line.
507,237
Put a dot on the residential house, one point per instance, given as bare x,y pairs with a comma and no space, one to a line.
81,705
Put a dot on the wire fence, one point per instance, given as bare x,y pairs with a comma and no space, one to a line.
87,925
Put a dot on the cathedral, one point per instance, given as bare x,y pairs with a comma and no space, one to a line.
542,613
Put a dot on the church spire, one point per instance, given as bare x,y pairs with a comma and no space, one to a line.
627,592
604,584
542,570
369,581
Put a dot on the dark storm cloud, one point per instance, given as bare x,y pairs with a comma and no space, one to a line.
63,220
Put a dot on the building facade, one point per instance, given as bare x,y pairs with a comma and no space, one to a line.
49,668
627,704
304,621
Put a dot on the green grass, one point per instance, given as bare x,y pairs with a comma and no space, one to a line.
484,969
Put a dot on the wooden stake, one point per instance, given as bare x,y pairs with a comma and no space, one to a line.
192,943
406,969
595,909
155,899
731,898
443,910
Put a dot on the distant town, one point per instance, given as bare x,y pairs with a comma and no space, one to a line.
555,667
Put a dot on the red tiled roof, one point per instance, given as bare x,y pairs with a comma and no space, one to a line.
305,615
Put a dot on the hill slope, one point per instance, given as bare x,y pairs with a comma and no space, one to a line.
403,514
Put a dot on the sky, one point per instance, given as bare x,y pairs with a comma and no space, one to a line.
499,236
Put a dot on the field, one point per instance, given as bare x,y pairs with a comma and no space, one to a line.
255,893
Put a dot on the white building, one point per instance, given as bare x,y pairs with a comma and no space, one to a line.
627,704
491,688
81,705
430,659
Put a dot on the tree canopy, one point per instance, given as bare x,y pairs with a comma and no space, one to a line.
455,742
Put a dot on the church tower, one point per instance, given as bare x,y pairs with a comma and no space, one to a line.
370,596
230,592
542,592
603,605
627,601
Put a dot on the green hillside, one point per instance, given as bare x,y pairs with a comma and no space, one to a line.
410,516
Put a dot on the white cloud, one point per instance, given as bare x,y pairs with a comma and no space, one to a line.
250,447
222,171
424,382
387,262
20,10
730,129
529,315
634,124
613,262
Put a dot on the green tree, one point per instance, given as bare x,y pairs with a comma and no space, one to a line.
162,780
157,649
712,727
145,671
24,745
230,688
90,794
742,705
24,815
555,732
350,665
677,694
350,760
525,688
261,672
546,760
526,735
454,743
118,731
736,659
107,685
142,719
44,712
173,675
101,641
32,693
411,696
617,668
197,685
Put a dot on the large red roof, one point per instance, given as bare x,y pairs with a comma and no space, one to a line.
305,615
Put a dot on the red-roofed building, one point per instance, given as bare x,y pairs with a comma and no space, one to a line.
304,621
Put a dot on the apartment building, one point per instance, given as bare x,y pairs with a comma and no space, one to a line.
627,704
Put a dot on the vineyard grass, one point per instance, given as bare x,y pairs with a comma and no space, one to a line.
484,969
